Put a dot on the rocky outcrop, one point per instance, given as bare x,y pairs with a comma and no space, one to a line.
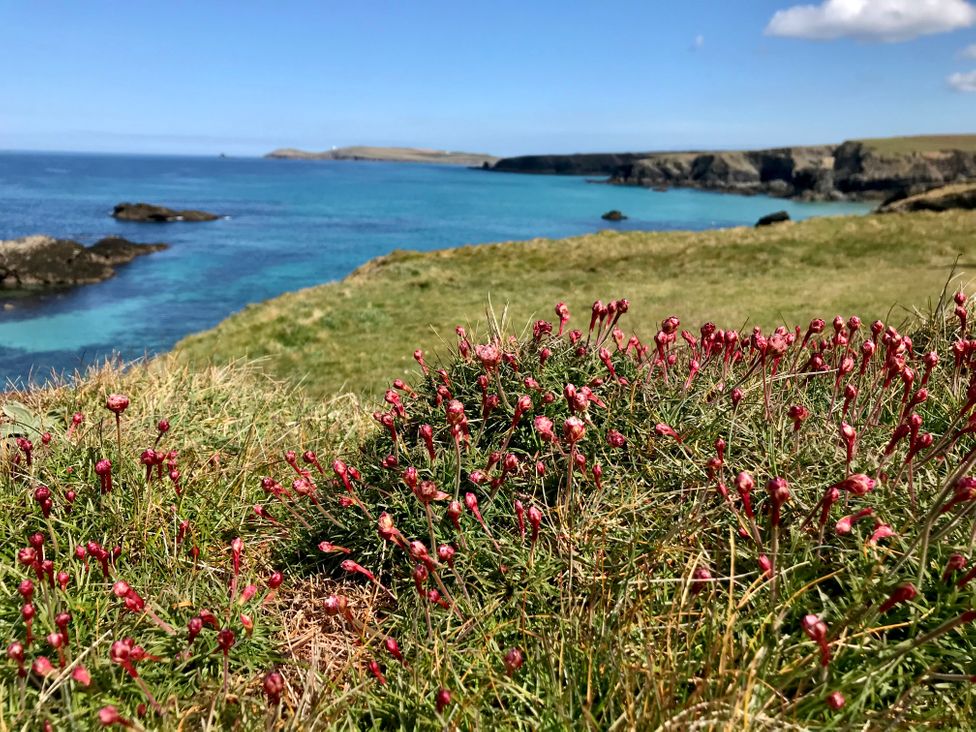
946,198
582,164
36,262
853,170
613,215
777,217
806,172
388,154
149,213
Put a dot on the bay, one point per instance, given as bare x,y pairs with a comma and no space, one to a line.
286,225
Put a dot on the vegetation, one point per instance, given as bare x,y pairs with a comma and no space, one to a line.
577,527
357,334
921,144
166,531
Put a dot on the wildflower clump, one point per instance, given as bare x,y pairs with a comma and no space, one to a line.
639,568
581,526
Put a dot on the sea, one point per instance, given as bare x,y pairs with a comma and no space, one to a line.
284,225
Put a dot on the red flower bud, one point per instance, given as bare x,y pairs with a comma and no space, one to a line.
513,661
273,685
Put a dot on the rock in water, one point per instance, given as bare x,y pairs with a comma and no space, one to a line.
614,215
37,262
774,218
147,212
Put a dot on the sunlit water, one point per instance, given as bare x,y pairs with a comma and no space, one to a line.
288,225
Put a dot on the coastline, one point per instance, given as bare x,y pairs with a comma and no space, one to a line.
290,227
740,275
870,170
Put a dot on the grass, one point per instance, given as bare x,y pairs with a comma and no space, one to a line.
640,595
228,426
921,144
358,334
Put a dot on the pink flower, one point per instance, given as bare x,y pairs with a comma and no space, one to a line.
903,593
543,425
562,312
859,484
42,666
489,355
573,430
442,699
117,403
535,521
844,525
881,531
109,715
779,493
616,439
664,430
273,686
81,675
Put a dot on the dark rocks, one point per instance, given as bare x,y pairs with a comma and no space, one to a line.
614,215
851,171
147,212
581,164
37,262
774,218
946,198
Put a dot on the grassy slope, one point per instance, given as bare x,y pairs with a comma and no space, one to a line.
359,332
921,143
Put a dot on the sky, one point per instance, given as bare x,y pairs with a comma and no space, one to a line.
505,77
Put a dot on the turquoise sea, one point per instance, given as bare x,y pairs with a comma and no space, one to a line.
288,225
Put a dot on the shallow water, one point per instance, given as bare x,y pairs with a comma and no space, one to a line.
290,224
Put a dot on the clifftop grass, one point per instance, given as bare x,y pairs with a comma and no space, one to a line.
921,144
358,334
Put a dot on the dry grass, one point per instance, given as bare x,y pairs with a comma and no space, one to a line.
921,144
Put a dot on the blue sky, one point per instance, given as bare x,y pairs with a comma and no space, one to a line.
505,77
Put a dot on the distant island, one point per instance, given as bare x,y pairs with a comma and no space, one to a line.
854,170
388,154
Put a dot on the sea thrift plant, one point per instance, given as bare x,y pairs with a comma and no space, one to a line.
638,527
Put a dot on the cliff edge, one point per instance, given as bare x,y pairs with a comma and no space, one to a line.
853,170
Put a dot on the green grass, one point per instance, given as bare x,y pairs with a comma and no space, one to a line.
228,427
921,144
358,334
617,625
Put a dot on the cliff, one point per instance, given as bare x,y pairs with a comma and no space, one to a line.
854,169
388,154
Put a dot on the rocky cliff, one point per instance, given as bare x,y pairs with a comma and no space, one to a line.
851,170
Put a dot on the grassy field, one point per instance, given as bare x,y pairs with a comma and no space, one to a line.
921,143
358,334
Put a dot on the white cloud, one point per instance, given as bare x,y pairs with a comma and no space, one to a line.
699,42
878,20
968,52
963,81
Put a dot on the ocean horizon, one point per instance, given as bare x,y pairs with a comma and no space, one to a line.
285,225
